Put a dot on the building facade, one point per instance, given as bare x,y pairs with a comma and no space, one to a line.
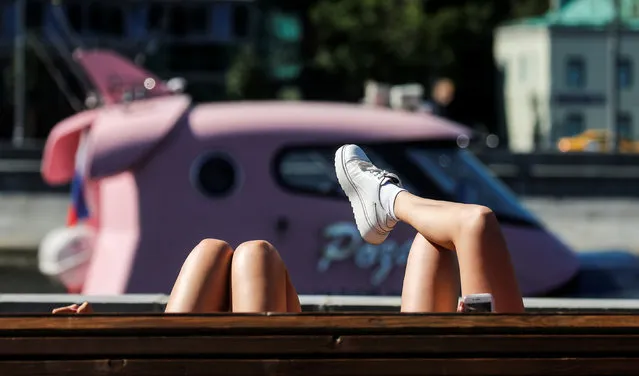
554,73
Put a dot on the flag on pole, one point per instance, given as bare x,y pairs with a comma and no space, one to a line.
78,210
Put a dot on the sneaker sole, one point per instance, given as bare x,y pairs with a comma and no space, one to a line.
373,236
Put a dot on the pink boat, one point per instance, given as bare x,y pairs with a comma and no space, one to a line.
161,173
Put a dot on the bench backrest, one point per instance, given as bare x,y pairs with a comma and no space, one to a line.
320,344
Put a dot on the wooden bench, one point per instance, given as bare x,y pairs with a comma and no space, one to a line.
320,344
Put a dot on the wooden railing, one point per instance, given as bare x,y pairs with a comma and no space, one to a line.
320,344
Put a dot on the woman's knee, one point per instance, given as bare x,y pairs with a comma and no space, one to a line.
477,219
211,249
256,253
256,250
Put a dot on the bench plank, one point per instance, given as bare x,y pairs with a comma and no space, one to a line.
313,322
332,367
320,344
249,346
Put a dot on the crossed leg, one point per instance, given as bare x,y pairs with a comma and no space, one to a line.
214,278
451,237
455,241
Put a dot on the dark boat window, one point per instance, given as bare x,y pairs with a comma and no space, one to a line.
214,175
465,179
311,170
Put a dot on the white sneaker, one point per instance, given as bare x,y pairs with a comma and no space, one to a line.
361,181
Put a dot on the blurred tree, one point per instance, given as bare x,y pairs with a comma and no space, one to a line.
347,42
247,77
358,40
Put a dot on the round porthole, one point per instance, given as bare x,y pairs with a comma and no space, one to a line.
214,175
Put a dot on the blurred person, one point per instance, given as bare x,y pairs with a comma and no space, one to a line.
457,246
442,95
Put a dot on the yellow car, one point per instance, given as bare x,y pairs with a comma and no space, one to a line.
594,140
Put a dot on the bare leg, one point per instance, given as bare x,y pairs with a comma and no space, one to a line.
260,281
203,283
431,281
292,299
472,231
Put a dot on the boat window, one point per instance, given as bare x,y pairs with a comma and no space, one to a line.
214,175
311,170
465,179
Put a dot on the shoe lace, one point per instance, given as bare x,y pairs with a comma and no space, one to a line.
378,172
